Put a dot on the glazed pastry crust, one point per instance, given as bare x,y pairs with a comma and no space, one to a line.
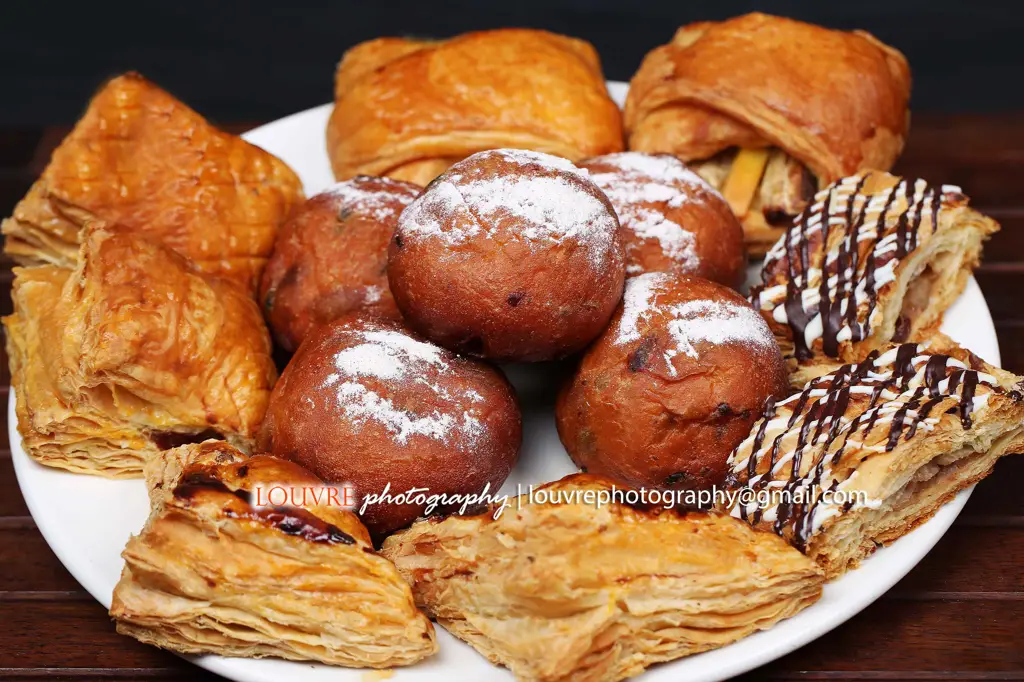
143,161
834,100
150,351
210,573
568,591
408,109
905,430
917,245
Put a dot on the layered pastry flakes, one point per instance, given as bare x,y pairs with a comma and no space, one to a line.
214,572
408,108
769,109
133,352
862,456
564,589
142,161
875,259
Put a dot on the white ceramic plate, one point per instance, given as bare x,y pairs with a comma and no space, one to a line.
87,520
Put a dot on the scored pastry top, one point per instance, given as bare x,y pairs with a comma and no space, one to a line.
825,277
839,432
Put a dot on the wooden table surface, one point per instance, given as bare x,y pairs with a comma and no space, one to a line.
958,616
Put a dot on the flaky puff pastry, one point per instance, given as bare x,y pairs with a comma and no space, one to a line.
565,589
214,572
865,454
133,352
408,109
836,101
894,254
142,161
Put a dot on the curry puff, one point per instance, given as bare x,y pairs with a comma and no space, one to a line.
212,572
564,589
132,352
142,161
875,259
865,454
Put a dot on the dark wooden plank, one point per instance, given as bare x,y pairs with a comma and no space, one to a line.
11,501
27,564
1011,345
184,672
1002,289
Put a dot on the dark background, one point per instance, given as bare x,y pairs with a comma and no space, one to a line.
259,60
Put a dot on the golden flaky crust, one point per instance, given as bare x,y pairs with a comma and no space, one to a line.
410,108
834,100
130,353
567,590
142,161
864,455
212,573
897,252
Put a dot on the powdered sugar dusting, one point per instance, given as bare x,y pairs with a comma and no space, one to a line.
392,358
545,211
643,179
380,198
691,322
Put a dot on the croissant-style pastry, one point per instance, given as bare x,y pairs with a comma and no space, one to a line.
896,254
566,589
142,161
408,109
769,109
864,455
215,571
133,352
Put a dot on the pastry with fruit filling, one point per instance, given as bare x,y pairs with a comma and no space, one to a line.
769,109
217,570
864,455
875,259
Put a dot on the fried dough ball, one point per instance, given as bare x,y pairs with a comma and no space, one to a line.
673,385
365,402
509,255
671,219
330,257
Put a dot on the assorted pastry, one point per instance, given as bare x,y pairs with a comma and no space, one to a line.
486,212
769,110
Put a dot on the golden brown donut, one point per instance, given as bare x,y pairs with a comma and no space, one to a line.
769,109
365,402
410,108
672,386
331,257
509,255
672,220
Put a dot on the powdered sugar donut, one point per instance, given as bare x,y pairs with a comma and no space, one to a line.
365,402
330,257
671,219
508,255
672,386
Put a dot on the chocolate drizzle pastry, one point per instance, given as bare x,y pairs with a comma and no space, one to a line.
862,455
873,259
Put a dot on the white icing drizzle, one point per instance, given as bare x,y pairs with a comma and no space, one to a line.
690,323
547,210
876,232
798,445
643,179
390,358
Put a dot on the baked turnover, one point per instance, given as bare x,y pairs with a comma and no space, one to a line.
864,455
768,110
875,259
213,573
564,589
408,109
143,161
133,352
